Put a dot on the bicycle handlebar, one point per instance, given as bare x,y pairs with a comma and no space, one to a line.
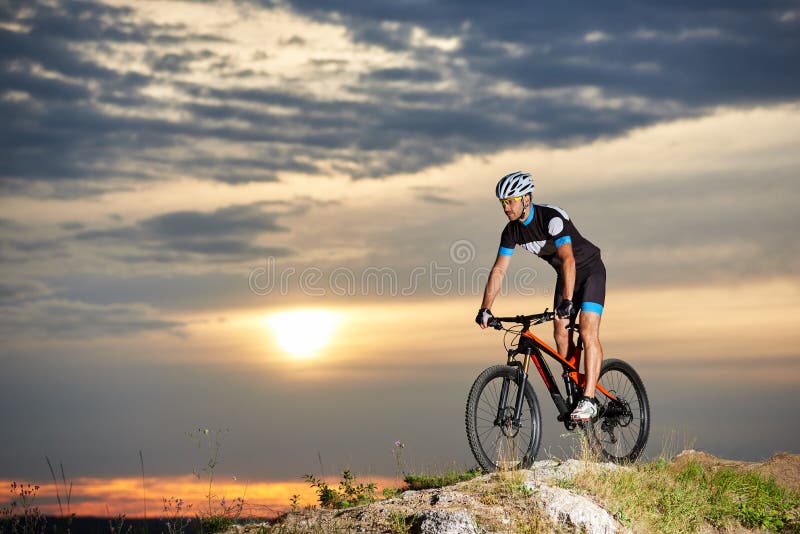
536,318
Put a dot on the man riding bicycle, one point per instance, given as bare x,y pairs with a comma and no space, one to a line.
548,232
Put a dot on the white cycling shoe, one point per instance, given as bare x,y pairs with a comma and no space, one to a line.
587,409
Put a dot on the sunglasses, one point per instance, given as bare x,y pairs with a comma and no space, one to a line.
506,201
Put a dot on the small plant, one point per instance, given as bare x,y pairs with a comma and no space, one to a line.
212,441
400,523
21,516
213,524
174,517
295,502
218,515
348,495
117,525
397,452
327,496
70,517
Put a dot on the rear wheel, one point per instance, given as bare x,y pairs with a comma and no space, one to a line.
496,440
620,432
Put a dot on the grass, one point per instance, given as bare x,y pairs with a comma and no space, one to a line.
661,497
439,480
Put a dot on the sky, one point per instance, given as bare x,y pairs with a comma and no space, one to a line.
274,220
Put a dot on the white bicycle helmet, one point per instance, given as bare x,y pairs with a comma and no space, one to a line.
514,184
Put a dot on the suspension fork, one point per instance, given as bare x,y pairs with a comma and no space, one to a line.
520,379
501,404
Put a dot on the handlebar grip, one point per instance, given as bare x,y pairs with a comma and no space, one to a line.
494,323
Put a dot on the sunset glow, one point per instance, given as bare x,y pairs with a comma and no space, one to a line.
303,333
134,497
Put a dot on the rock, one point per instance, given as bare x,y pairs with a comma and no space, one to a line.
444,522
451,498
565,507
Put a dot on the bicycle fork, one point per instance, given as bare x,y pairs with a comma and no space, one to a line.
521,379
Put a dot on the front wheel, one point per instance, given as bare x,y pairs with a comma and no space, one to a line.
496,439
621,430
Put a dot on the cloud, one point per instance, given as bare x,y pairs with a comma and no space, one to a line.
294,40
227,235
23,249
404,75
64,319
690,231
22,290
178,62
436,195
456,78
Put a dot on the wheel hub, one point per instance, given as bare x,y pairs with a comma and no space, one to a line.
507,425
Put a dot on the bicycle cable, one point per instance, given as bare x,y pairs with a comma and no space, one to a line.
508,345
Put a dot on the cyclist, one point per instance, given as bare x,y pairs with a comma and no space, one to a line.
548,232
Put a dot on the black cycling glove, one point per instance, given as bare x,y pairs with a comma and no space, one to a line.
564,310
484,314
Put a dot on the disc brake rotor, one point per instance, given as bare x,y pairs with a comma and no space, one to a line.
507,425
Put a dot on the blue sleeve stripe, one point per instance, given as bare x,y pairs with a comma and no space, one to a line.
592,307
505,251
563,240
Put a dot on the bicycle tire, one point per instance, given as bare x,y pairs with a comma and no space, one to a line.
620,433
497,446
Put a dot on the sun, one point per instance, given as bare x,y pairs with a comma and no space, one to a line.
302,333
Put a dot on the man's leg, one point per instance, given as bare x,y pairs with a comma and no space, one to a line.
593,351
561,334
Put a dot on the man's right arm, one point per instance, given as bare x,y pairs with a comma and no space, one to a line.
495,280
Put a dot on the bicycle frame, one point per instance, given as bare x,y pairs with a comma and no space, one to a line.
532,347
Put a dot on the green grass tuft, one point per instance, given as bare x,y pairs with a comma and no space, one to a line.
439,480
663,498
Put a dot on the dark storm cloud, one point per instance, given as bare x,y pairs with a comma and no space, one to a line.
694,53
228,234
56,130
657,61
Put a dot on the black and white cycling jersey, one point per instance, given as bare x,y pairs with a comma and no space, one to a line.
544,230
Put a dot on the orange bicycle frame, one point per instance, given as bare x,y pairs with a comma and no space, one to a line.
572,362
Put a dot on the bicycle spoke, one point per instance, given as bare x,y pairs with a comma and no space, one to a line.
488,412
495,438
623,429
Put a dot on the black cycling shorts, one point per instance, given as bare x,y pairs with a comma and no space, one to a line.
590,289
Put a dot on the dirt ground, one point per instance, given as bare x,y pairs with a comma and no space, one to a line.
783,466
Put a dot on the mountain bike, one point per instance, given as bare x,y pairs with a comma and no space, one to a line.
503,417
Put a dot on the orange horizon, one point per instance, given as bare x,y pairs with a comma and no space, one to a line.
114,496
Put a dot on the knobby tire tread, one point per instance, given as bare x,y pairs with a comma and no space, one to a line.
531,406
613,364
